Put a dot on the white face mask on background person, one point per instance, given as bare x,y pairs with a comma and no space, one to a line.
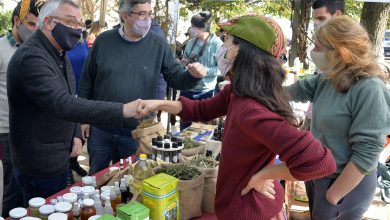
141,27
320,60
24,33
194,32
224,65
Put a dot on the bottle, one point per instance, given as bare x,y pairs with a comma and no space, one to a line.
88,210
118,193
94,184
45,211
174,153
87,181
124,192
180,145
141,171
113,199
154,151
166,155
159,138
98,205
121,164
34,204
76,211
159,151
66,208
107,207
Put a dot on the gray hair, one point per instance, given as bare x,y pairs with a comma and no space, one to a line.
125,6
50,8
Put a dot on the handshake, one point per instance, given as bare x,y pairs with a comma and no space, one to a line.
141,108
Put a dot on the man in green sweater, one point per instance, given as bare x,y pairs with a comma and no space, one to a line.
124,65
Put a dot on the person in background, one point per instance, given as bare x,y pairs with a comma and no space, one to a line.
24,24
124,65
95,30
259,125
43,107
203,48
351,115
77,57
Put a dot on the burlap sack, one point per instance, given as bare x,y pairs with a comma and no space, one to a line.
209,189
144,137
199,149
190,197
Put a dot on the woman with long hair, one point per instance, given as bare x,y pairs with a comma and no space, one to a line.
351,115
259,124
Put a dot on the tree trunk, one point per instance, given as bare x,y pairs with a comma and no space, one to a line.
374,19
296,5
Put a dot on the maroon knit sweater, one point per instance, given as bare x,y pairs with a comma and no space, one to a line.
252,137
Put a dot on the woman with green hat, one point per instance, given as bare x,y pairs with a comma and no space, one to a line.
259,124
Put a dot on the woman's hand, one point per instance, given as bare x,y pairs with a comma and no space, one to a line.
261,185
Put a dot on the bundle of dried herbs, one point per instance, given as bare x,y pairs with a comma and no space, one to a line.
203,162
147,121
188,144
182,172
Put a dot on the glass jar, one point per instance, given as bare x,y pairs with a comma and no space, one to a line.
17,213
89,190
45,211
76,190
70,197
30,218
95,217
87,181
58,216
88,209
66,208
34,204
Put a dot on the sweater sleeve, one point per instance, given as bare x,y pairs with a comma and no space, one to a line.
48,90
371,123
174,74
206,109
304,90
304,155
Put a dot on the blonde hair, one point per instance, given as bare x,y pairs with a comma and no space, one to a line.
349,52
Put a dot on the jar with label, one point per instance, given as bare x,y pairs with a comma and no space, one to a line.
89,190
58,216
76,190
70,197
88,209
95,217
34,204
87,181
45,211
17,213
66,208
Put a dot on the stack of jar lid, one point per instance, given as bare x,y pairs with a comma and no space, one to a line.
167,148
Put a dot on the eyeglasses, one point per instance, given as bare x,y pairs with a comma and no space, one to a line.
143,14
71,22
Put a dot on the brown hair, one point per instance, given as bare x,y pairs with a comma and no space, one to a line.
349,52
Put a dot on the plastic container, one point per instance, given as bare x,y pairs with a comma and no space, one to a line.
34,204
64,207
70,197
88,209
17,213
45,211
87,181
141,171
76,190
89,190
58,216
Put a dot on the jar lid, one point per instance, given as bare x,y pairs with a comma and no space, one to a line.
88,190
18,212
58,216
70,197
106,195
88,202
94,217
87,180
30,218
75,189
63,207
36,202
46,209
105,189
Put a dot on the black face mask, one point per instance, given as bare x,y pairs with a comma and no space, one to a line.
65,36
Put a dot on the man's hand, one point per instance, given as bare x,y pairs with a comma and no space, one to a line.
77,147
131,109
145,107
261,185
85,131
197,70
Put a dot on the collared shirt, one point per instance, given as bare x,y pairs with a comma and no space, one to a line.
123,35
11,39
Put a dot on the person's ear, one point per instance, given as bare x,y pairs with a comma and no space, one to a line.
16,21
338,13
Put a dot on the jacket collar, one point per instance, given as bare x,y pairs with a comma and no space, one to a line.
11,39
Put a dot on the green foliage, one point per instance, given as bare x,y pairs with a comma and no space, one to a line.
282,8
5,21
353,8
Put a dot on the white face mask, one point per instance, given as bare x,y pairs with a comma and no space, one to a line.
224,65
320,60
194,32
141,27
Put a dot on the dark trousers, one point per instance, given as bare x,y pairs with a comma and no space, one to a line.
194,96
12,197
104,146
351,207
34,186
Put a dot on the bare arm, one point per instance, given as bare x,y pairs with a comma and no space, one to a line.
172,107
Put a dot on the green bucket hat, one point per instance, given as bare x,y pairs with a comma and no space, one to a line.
261,31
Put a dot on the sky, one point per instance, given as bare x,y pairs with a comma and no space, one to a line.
9,4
